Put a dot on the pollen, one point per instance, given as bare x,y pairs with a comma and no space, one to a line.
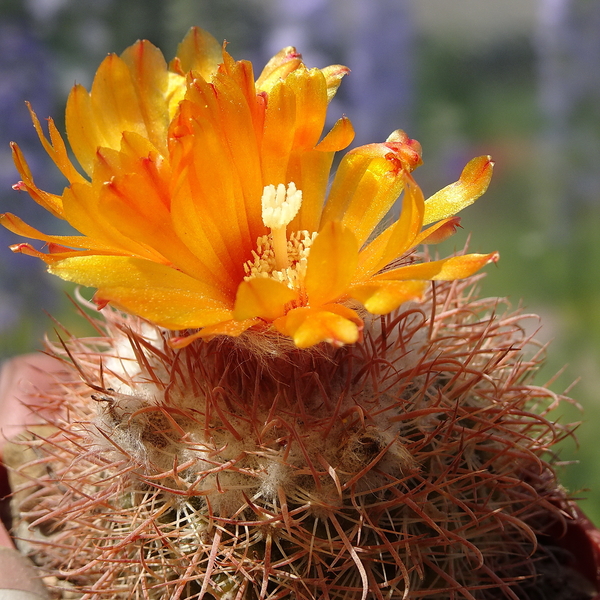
263,263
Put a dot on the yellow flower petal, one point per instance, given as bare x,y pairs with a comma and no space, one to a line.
382,297
333,77
82,209
229,328
51,202
198,52
278,68
82,129
473,182
368,182
398,238
447,269
16,225
262,297
99,119
54,255
179,158
307,326
156,292
340,136
331,264
55,148
310,170
150,78
439,232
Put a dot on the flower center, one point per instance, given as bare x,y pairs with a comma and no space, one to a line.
276,256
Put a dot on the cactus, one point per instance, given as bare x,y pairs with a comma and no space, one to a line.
413,465
278,404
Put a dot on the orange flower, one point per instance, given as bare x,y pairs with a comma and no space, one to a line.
204,203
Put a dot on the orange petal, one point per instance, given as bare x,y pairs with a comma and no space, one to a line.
199,52
150,78
55,148
310,88
333,76
155,292
278,68
82,209
278,135
439,232
397,239
262,297
473,182
340,136
331,264
383,297
51,202
335,324
236,114
54,255
217,174
133,203
16,225
366,185
82,129
115,103
447,269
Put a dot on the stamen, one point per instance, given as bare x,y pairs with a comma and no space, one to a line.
279,207
262,263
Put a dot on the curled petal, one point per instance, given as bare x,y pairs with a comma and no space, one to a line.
340,136
332,323
262,297
366,185
439,232
407,150
473,182
382,297
333,77
279,67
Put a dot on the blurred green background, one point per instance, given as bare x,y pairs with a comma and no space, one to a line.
518,79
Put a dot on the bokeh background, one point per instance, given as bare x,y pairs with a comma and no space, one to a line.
518,79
